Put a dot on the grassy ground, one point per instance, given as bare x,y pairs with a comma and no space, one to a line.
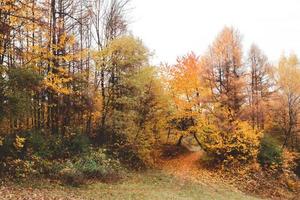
149,185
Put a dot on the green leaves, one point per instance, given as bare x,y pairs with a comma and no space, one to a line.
270,153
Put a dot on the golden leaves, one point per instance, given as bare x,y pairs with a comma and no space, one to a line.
125,52
19,142
57,82
289,74
186,86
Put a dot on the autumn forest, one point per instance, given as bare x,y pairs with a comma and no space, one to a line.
81,106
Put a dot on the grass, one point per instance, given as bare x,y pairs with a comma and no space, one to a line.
156,185
151,185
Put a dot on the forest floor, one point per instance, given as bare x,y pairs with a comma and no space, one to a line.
178,178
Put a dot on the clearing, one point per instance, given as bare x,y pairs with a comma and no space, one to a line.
178,178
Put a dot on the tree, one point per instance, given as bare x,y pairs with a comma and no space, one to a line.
224,134
123,57
135,106
259,86
108,21
224,71
288,100
187,93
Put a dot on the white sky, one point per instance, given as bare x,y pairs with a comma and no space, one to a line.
173,28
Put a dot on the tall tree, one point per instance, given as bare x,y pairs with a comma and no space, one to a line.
259,82
108,22
288,109
225,70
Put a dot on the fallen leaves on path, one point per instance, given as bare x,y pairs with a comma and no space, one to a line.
187,167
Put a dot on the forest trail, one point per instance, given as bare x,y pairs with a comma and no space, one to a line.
188,167
185,166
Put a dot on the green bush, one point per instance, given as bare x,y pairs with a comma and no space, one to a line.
39,144
36,143
7,149
46,146
79,143
56,146
46,167
94,164
270,152
97,164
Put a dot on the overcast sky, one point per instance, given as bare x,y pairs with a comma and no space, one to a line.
172,28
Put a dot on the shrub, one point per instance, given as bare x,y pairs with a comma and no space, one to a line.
71,176
57,146
13,146
7,148
131,156
97,164
18,168
46,146
270,152
46,167
229,143
39,144
94,164
134,153
79,143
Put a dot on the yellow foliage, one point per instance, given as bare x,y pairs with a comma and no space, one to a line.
57,82
125,52
19,142
289,74
187,90
229,142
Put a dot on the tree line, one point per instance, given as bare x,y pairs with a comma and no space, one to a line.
69,69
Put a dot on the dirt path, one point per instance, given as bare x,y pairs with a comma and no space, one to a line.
184,165
188,167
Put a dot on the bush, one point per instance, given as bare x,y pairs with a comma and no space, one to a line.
132,157
270,153
7,148
25,144
57,146
39,144
18,168
71,176
79,143
135,154
46,146
94,164
230,143
97,164
13,146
